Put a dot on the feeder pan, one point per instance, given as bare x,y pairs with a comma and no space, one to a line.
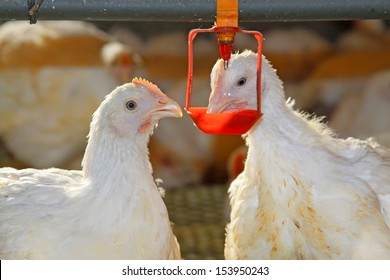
239,122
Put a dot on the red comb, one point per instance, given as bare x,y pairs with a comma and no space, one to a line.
152,88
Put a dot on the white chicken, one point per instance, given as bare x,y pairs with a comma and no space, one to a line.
303,194
365,35
361,114
112,209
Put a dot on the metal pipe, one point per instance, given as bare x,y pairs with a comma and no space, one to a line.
198,10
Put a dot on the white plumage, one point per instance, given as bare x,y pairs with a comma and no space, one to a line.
112,209
303,194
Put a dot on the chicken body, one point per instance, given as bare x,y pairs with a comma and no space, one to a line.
112,208
303,194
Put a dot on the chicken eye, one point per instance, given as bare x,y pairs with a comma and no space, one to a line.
241,82
131,105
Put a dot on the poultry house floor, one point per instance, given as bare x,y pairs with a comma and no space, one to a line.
197,214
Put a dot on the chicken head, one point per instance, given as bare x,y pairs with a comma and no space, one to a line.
143,105
234,88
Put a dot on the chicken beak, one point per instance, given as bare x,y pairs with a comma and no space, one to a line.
216,95
167,108
215,104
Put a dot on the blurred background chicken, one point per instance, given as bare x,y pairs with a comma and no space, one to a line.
50,85
365,113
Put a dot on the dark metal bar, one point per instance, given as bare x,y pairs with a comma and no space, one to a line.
197,10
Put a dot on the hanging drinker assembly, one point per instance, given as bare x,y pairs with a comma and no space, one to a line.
238,122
